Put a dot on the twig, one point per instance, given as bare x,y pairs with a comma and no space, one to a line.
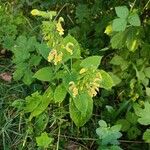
94,139
58,139
146,5
60,10
80,138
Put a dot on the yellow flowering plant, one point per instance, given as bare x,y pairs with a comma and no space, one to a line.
67,71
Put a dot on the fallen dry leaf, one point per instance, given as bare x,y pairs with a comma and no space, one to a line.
6,76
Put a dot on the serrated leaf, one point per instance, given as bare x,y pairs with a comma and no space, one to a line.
44,140
147,91
122,11
92,61
32,102
133,132
125,125
35,60
27,78
60,93
115,78
19,103
20,70
43,49
147,72
118,40
144,117
109,135
106,81
119,61
31,42
119,24
146,136
132,118
82,12
22,48
76,115
102,123
134,20
44,74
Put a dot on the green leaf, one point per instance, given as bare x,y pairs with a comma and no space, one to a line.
43,49
32,102
125,125
44,102
119,61
115,78
133,132
77,116
22,48
106,81
119,24
44,140
147,72
92,61
118,40
44,74
102,123
146,136
27,78
20,70
111,147
81,103
36,103
19,104
132,40
109,135
147,91
134,20
35,60
8,42
70,45
122,11
31,43
60,93
82,12
41,122
143,113
132,118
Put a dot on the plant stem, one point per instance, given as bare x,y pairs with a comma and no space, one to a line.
58,139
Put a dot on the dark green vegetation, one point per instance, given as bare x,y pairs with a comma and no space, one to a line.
80,75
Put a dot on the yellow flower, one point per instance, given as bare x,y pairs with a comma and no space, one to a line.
108,30
83,70
73,89
51,55
58,58
35,12
75,92
95,84
59,26
69,44
98,75
92,92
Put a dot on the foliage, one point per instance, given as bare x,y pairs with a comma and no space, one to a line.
43,140
108,135
74,63
82,81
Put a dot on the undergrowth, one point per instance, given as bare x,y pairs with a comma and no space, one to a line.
74,75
